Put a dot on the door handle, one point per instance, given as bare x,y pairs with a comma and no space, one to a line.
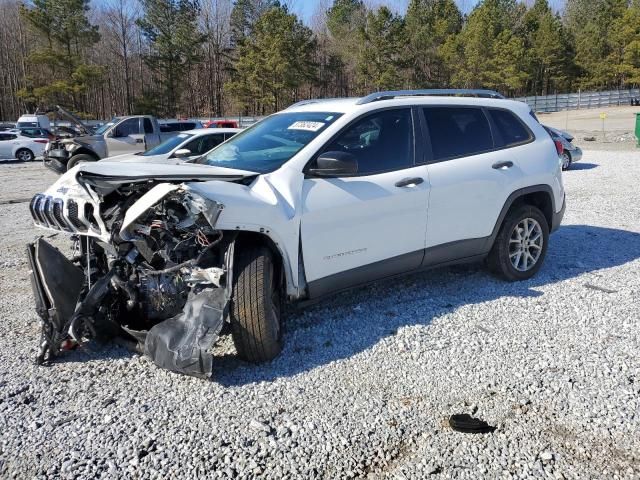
139,140
502,165
407,182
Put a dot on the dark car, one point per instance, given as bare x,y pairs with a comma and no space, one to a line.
570,153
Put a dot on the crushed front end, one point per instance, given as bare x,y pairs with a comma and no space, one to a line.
147,264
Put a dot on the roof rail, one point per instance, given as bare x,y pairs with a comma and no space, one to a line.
445,92
310,101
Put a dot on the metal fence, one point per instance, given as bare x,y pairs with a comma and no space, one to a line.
576,101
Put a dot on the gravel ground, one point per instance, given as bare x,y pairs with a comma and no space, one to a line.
367,379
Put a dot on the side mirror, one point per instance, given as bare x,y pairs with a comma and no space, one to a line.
334,164
115,133
182,153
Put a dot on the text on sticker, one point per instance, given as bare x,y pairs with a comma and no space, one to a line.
309,126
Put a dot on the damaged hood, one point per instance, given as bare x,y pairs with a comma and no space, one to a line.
118,173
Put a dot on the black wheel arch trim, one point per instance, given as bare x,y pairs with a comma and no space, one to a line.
511,200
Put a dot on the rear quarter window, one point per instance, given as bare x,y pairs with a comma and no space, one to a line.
457,132
511,131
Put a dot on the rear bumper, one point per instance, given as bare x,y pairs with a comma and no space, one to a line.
558,216
576,154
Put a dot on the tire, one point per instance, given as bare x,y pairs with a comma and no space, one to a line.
25,155
80,158
566,161
255,306
503,256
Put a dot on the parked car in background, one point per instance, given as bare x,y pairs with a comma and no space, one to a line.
179,125
13,144
121,135
183,147
7,126
34,120
221,124
36,132
570,153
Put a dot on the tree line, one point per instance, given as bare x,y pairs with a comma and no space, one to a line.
222,57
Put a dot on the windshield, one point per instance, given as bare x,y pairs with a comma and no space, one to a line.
270,143
167,146
27,124
107,126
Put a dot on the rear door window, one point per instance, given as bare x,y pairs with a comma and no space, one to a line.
457,132
148,126
7,136
511,131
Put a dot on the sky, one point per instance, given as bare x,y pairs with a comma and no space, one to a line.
306,8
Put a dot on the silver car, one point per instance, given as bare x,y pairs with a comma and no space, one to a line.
180,148
570,153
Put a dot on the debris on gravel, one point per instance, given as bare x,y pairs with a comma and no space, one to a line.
368,379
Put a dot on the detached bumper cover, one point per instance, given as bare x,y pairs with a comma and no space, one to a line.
70,311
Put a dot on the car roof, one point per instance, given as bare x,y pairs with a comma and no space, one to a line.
345,105
207,131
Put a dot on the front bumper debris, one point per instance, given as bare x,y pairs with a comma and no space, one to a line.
70,312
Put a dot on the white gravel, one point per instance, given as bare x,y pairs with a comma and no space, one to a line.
367,380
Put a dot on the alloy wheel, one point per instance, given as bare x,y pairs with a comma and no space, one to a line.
525,244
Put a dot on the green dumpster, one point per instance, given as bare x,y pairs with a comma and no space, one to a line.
638,129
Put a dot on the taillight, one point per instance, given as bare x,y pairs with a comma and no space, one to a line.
39,140
559,147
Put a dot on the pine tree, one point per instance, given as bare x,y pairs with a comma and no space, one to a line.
67,35
625,45
550,55
381,60
171,28
245,14
591,23
429,25
273,62
345,20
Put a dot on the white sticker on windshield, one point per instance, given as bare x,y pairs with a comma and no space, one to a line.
183,135
308,126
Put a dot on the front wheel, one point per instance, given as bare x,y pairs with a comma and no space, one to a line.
521,244
566,160
80,158
255,309
25,155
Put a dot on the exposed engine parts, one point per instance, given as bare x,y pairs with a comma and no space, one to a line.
163,281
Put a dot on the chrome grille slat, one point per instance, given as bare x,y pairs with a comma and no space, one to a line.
58,217
64,214
73,211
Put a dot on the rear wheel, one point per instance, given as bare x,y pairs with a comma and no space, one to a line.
256,306
566,160
521,245
80,158
25,155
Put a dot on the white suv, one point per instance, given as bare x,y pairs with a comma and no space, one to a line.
323,196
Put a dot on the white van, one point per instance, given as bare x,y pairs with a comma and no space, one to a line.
34,121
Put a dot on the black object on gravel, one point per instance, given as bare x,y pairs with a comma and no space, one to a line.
467,424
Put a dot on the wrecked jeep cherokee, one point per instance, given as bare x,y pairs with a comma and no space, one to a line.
323,196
